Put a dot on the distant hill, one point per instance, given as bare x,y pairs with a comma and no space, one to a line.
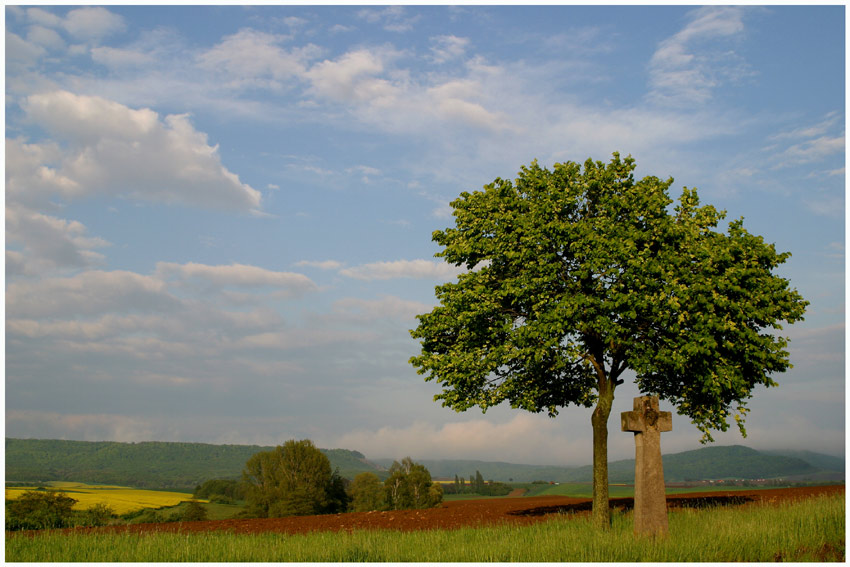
182,466
701,464
819,460
164,465
721,462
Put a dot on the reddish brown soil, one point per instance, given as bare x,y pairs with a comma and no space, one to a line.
460,513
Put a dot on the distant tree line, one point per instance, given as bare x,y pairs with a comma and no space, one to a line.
477,485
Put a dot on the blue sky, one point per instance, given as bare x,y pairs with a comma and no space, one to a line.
218,219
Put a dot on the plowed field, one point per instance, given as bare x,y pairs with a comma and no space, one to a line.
461,513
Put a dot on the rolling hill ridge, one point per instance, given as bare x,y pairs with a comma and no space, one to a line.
153,464
182,466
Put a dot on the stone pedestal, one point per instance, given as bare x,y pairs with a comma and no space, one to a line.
647,423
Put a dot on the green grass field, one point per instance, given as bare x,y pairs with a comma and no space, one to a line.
811,530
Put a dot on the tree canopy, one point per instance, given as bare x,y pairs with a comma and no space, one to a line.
578,274
294,479
409,486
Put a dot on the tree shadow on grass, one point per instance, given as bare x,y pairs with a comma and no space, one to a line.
623,504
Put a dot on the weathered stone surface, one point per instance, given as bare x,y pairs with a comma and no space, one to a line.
647,423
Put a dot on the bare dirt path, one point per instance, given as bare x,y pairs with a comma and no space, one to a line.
462,513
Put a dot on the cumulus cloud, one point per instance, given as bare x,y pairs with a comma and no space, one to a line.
250,57
353,77
92,23
22,52
43,17
46,37
49,242
107,148
416,269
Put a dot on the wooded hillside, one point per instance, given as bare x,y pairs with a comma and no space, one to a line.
162,465
182,466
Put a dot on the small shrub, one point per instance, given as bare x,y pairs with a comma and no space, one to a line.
98,515
194,512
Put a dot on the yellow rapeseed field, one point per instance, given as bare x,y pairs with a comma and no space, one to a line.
120,498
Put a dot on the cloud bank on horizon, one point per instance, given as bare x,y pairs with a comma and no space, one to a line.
218,219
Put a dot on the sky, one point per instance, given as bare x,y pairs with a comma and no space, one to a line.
218,219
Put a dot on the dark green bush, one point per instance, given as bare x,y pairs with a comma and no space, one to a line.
194,512
39,510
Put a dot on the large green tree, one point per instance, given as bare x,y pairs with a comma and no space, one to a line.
294,479
577,274
409,486
366,493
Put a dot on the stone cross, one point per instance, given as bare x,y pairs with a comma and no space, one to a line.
650,500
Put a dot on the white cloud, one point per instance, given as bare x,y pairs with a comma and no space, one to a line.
831,121
250,56
812,150
49,242
448,47
417,269
523,438
21,51
119,58
92,23
45,37
352,78
683,71
385,307
304,339
88,293
321,264
108,148
43,17
393,18
339,28
236,275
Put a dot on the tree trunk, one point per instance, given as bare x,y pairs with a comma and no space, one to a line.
599,419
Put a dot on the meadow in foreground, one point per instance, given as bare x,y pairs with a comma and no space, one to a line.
809,530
